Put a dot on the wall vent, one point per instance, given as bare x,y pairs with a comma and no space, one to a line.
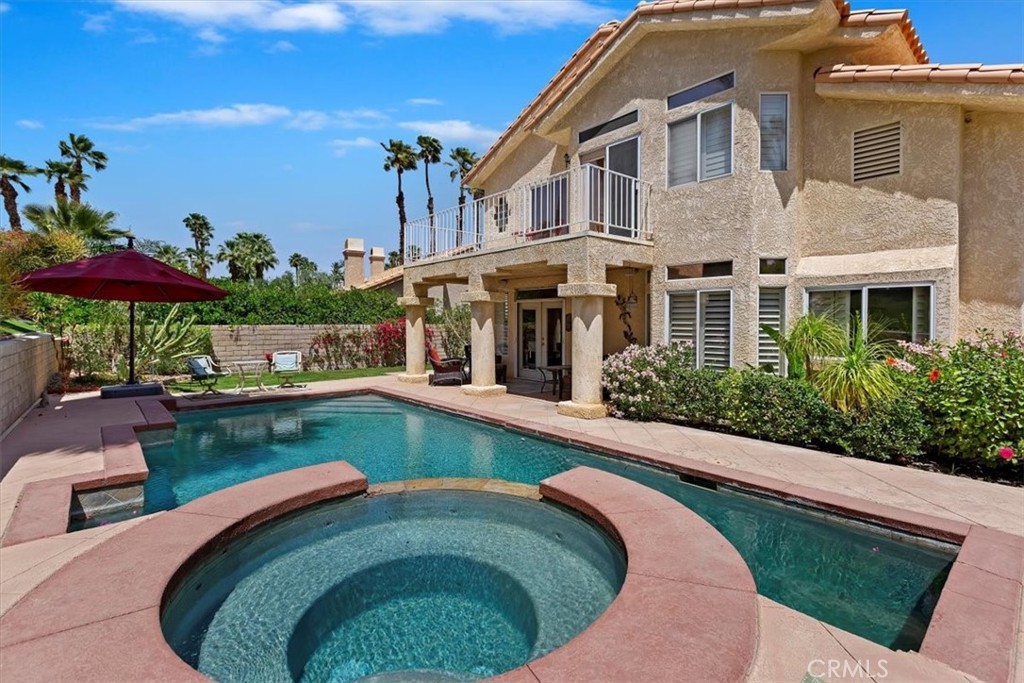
876,152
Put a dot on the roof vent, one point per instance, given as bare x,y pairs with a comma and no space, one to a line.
876,152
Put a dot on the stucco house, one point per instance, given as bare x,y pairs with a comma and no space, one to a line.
705,166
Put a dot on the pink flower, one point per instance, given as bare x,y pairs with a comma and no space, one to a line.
933,376
1006,453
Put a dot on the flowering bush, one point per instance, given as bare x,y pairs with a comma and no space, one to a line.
972,395
380,345
639,379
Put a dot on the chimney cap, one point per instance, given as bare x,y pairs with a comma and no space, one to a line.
354,244
376,252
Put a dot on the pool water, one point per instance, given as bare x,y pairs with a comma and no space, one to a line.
424,585
861,580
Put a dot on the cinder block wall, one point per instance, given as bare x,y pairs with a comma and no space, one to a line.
26,365
251,342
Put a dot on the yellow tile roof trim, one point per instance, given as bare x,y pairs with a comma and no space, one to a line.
921,73
597,44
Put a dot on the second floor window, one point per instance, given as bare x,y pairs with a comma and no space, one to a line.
774,120
700,147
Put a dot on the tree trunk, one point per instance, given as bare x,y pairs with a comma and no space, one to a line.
76,189
60,191
430,208
400,200
11,203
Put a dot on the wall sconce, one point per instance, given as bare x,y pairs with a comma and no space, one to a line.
566,159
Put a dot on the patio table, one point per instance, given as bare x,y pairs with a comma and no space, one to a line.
557,376
254,368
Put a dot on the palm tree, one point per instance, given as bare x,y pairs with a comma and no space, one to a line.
171,255
430,153
463,159
11,173
295,261
86,221
260,253
233,252
201,229
80,150
400,158
58,171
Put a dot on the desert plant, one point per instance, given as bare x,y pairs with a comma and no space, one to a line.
454,325
165,341
859,373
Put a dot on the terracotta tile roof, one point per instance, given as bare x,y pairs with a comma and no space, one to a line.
921,73
386,278
598,43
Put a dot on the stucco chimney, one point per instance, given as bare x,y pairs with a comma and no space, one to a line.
376,261
354,253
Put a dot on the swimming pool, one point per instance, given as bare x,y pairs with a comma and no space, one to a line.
860,580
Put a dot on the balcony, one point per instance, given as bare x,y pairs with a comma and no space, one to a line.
586,199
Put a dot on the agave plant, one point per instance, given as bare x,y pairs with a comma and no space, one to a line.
166,340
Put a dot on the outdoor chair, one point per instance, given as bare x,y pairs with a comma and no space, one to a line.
205,373
286,364
446,370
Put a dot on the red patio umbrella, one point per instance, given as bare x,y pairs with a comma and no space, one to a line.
125,275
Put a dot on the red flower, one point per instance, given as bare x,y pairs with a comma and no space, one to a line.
891,362
933,376
1006,453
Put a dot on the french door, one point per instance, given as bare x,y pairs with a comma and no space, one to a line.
541,338
613,195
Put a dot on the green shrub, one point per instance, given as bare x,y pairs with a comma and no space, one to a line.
891,429
972,396
766,406
695,395
638,379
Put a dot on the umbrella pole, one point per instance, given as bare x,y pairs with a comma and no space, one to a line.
131,342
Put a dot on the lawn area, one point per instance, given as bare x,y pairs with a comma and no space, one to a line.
269,380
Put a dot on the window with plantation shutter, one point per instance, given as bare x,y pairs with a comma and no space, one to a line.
700,147
771,305
703,319
876,152
774,122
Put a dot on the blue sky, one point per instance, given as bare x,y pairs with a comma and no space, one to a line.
265,115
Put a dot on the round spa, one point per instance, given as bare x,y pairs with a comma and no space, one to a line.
436,585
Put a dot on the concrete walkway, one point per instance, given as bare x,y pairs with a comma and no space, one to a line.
64,439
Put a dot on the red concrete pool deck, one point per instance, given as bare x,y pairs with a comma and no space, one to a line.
61,441
97,619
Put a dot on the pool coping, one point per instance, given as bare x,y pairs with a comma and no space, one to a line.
694,600
982,594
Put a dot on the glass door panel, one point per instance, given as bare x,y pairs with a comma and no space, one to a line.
621,187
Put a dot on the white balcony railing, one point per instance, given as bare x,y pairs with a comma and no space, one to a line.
584,199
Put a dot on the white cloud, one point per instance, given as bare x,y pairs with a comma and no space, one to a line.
4,7
211,35
453,131
360,118
31,124
282,46
220,117
309,120
341,147
423,101
97,23
259,15
142,36
398,17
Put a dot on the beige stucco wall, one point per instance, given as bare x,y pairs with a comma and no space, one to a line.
251,342
27,363
992,224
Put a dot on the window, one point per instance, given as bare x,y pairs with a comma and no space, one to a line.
699,92
703,319
608,126
501,214
899,312
771,312
692,270
876,152
772,266
700,147
774,120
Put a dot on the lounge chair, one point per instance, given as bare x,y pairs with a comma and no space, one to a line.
286,364
205,373
446,370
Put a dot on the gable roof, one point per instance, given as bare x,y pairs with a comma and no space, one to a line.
599,43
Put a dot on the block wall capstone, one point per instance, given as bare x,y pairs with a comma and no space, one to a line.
252,342
27,363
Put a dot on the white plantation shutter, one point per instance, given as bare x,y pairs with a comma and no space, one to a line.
716,143
771,312
682,152
682,317
922,307
876,152
715,330
774,132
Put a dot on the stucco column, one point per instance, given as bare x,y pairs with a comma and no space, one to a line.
587,347
415,338
481,305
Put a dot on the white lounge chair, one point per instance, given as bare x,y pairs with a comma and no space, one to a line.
286,364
